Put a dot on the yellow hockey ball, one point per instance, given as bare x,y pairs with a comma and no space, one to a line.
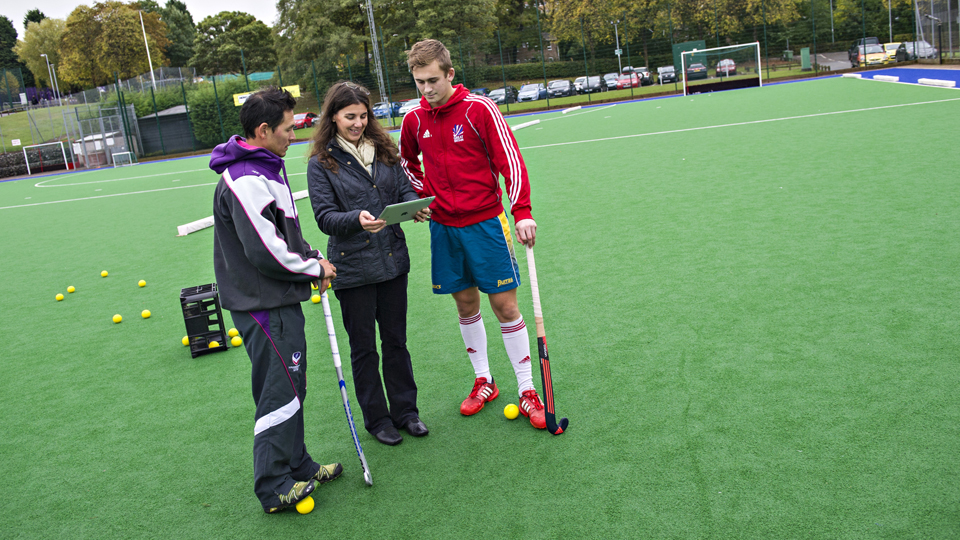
59,297
236,341
305,506
511,411
315,299
104,273
71,288
142,283
185,341
213,344
145,314
117,318
233,332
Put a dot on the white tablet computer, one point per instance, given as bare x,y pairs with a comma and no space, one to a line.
395,213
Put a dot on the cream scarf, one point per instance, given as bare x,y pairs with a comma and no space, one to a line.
366,154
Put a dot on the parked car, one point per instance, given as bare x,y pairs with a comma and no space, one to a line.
890,49
303,120
920,49
386,110
561,88
408,106
611,80
507,94
628,80
726,68
869,55
578,84
667,74
532,92
852,53
696,71
644,74
480,91
593,84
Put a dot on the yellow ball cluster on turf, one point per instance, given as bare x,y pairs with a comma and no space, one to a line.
117,318
104,273
185,341
233,332
213,344
71,288
511,411
236,341
59,297
315,299
145,314
142,283
306,505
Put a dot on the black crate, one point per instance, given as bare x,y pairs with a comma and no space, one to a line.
204,319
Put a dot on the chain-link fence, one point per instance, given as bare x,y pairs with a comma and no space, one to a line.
178,110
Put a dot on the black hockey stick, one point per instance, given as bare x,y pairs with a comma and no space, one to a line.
545,377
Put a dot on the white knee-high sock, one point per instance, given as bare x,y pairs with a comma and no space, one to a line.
475,339
517,342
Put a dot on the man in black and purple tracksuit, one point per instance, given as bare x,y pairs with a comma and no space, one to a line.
264,268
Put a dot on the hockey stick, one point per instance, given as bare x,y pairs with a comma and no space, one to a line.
551,417
367,477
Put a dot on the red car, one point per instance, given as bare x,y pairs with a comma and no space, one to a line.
726,67
303,120
628,80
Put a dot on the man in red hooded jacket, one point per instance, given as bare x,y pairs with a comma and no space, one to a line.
467,146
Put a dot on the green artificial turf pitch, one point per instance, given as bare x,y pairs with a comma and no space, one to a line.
750,298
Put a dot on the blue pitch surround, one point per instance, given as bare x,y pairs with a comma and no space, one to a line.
911,75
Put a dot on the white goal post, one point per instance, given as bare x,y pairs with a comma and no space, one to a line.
40,147
723,68
124,159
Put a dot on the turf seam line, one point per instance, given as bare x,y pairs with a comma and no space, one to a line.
684,130
578,114
105,196
40,184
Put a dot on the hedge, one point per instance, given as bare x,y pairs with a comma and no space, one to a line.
204,115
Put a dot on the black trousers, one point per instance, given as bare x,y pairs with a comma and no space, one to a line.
384,305
277,347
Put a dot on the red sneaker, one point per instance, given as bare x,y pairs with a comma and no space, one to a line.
530,406
483,392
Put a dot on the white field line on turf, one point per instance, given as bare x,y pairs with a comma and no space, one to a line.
105,196
578,114
737,124
40,184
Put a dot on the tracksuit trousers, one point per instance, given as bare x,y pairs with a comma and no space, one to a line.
364,308
275,342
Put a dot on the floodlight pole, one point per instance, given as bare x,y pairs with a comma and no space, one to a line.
50,75
147,45
376,51
56,84
939,35
890,17
617,32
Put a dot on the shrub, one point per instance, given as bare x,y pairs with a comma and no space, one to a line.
205,118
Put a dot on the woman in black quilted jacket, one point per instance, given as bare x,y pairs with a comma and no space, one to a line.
354,173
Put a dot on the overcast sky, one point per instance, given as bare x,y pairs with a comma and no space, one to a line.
264,10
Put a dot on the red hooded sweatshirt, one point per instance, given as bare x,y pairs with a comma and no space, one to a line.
466,146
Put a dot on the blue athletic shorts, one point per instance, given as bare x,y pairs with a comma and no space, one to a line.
479,255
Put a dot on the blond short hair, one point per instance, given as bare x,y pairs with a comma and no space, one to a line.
424,52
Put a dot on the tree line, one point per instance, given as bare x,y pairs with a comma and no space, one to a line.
98,42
